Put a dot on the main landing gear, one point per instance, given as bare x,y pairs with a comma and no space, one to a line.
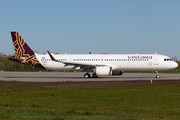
87,75
94,76
157,74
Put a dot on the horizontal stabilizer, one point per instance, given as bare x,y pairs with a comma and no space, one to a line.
17,59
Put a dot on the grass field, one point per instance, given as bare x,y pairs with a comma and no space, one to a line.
126,103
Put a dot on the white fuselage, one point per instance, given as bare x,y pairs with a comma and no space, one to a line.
125,62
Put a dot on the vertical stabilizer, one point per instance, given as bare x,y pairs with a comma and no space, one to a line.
20,46
23,53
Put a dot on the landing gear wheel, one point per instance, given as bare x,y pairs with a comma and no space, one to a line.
157,74
94,76
87,75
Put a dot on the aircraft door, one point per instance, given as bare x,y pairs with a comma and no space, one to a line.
156,60
70,59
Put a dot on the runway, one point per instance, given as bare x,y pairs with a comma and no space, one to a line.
79,76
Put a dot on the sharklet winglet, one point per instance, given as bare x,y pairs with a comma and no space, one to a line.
52,58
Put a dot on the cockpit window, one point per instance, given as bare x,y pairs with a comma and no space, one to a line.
167,59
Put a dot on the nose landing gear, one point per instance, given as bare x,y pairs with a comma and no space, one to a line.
157,74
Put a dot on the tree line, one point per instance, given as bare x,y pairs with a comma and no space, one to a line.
8,65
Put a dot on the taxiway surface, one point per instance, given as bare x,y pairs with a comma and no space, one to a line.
78,76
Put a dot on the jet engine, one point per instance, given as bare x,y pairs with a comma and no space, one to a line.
117,72
103,70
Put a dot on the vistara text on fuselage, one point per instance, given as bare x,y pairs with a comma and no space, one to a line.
98,64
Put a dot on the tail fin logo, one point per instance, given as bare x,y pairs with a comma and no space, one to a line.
22,50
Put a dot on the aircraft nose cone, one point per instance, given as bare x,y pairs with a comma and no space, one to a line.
176,65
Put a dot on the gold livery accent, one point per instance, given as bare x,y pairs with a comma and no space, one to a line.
20,50
150,63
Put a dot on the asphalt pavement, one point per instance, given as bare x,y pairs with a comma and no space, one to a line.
79,76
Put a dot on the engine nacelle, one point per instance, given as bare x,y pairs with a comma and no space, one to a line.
103,70
117,72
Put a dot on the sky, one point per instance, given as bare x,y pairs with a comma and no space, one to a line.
97,26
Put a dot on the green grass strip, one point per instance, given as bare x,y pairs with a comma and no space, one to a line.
147,102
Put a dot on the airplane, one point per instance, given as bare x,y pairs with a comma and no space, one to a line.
98,64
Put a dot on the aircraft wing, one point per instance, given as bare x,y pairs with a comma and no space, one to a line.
75,64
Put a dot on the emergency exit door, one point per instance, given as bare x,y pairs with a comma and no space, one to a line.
156,60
